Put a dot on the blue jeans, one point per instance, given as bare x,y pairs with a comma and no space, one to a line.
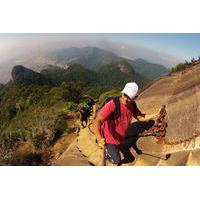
113,153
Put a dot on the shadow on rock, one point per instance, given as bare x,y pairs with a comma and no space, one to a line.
132,136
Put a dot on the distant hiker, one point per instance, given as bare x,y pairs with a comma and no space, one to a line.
111,130
85,113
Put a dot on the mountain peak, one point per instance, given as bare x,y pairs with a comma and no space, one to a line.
23,75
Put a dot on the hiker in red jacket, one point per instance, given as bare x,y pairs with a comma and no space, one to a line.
111,132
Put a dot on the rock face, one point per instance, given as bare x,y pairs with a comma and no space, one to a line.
180,92
72,157
87,145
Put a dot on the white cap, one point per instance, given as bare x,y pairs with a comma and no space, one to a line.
130,89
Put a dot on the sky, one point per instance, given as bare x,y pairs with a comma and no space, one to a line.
182,45
163,48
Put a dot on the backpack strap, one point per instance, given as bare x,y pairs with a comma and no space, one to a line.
114,115
116,112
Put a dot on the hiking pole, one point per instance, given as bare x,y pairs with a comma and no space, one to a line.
167,156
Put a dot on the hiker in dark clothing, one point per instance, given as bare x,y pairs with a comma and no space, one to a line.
85,113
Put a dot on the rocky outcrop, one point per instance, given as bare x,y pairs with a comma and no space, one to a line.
22,75
71,157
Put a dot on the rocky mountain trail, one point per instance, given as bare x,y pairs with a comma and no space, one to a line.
66,152
71,157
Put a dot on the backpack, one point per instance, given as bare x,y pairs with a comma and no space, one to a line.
116,112
87,106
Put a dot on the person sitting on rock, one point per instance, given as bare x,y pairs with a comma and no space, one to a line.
109,131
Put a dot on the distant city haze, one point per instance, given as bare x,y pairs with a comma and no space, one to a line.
164,49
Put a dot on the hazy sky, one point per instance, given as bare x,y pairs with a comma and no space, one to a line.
159,48
177,44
